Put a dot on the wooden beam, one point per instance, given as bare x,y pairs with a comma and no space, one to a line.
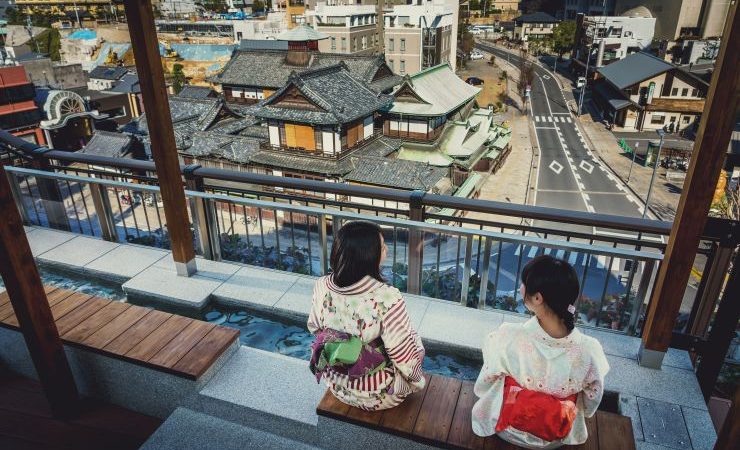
27,295
139,14
707,160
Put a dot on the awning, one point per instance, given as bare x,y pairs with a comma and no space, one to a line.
609,95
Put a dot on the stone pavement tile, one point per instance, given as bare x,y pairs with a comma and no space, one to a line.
701,429
43,239
217,270
124,262
166,286
669,384
186,429
455,325
296,301
254,286
628,407
76,253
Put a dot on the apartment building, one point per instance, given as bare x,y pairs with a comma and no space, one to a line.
534,26
420,36
504,5
19,114
681,18
610,38
588,8
351,29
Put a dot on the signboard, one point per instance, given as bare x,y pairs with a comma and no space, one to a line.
651,89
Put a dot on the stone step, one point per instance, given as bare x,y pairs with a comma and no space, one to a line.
186,429
265,391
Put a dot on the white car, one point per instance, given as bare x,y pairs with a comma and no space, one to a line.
476,55
581,82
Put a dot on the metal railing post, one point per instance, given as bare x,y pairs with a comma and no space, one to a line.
207,241
323,242
416,243
466,271
484,273
15,190
101,203
642,291
51,195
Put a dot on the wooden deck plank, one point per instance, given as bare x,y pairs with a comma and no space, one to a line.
615,432
107,333
207,351
330,406
138,331
438,408
96,321
402,418
68,304
7,314
186,339
152,344
461,434
368,418
5,298
77,315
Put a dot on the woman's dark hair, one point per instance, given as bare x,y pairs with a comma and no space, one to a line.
355,253
556,281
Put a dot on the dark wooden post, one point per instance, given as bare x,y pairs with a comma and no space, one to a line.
707,160
29,302
140,18
730,431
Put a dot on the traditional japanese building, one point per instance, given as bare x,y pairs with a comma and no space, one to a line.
425,101
255,74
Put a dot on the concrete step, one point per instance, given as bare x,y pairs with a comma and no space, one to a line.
264,391
186,429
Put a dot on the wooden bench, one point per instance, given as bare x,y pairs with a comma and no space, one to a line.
166,342
440,415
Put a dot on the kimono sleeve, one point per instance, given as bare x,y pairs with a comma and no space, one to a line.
404,348
317,301
593,384
489,387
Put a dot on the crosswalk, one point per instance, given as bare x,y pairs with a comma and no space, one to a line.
575,259
551,119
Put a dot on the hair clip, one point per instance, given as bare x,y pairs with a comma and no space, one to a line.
572,309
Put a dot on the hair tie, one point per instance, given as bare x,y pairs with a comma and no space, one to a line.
572,309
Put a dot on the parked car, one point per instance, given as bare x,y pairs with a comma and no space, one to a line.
475,81
476,55
581,82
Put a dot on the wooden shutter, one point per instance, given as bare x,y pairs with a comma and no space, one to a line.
353,135
305,138
290,135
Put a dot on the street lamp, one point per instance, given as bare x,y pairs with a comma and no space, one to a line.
661,133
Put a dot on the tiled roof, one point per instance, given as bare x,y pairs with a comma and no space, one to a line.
633,69
255,131
213,144
190,91
129,83
301,33
340,98
440,90
268,68
396,173
107,143
108,73
262,44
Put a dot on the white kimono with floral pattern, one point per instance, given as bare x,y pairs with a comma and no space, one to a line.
575,364
370,309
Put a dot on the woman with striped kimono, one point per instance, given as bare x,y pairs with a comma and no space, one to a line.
366,349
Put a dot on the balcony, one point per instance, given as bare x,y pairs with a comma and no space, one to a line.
85,212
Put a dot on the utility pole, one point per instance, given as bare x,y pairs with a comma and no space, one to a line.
588,60
661,133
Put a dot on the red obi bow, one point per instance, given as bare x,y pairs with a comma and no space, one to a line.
539,414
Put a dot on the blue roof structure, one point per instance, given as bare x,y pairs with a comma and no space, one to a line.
634,69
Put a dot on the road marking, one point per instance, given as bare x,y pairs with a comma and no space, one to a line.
532,252
572,258
600,261
580,185
560,253
586,196
549,119
608,175
556,167
631,199
569,120
546,77
536,118
518,249
545,128
588,167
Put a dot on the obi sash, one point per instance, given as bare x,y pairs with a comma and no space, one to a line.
346,354
543,415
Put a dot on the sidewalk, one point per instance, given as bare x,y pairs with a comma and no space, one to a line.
512,183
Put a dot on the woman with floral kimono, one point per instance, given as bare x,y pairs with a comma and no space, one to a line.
366,349
542,378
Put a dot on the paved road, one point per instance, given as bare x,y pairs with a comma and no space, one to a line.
569,175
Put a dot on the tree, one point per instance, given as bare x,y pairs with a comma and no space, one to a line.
258,5
178,78
563,37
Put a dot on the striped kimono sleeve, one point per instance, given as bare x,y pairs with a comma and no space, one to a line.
404,348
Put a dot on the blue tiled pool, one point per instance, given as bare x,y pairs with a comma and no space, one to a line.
270,334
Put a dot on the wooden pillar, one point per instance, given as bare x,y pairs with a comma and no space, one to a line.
140,18
730,431
707,160
29,302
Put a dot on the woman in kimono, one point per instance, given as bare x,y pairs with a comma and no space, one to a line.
542,378
366,349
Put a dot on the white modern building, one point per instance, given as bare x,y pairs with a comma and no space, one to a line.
611,38
352,29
